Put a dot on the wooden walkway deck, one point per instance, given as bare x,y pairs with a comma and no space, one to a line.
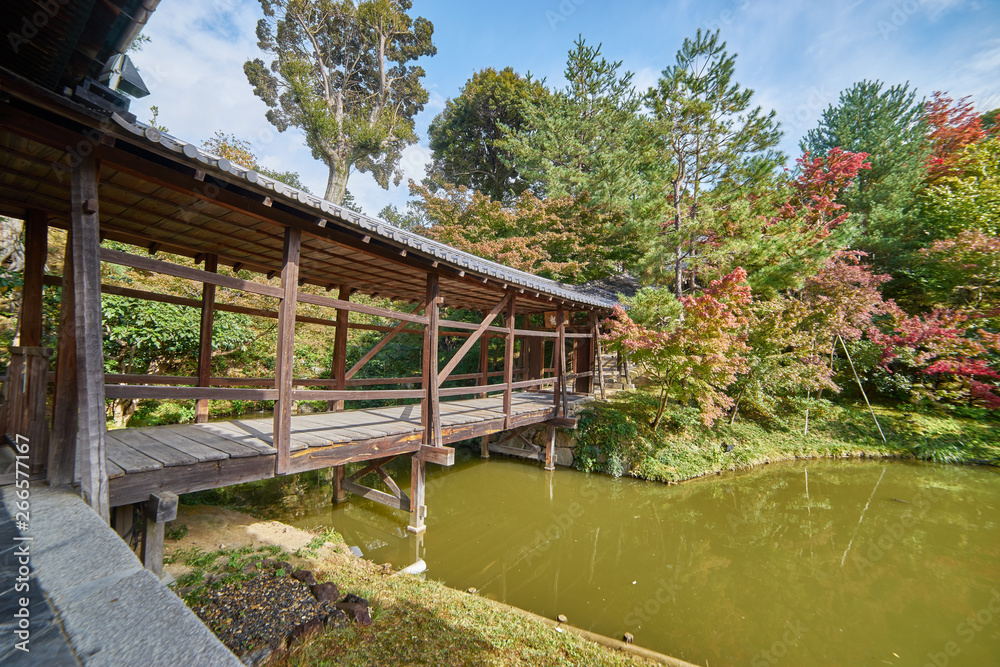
194,457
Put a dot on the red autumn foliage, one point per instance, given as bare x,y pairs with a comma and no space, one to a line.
701,355
953,126
817,186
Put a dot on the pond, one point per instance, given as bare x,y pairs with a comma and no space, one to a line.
805,562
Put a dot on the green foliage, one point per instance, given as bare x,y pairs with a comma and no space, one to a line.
342,74
718,148
887,124
464,138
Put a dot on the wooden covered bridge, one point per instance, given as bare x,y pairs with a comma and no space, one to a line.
73,158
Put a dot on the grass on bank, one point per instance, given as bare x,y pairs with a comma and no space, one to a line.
614,437
415,621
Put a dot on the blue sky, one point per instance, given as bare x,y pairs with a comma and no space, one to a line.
796,54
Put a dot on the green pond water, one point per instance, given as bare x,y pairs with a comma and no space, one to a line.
798,563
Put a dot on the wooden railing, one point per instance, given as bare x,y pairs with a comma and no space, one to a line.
343,385
24,417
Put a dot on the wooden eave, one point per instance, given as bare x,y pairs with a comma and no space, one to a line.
167,196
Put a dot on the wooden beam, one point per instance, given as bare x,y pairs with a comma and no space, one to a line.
85,224
429,404
188,273
508,361
377,496
160,508
35,254
558,361
484,361
471,340
65,419
378,346
205,339
418,510
338,370
443,456
339,492
285,353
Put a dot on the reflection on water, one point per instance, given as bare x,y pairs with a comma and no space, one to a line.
817,562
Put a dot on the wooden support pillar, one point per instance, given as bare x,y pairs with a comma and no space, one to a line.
508,362
595,328
338,370
558,361
123,520
418,507
430,404
62,444
36,248
339,492
160,508
536,359
205,339
286,350
583,362
484,360
484,447
550,448
91,447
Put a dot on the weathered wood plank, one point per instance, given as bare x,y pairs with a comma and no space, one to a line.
218,441
201,406
181,393
188,273
443,456
285,352
377,496
253,438
133,488
323,457
170,437
86,241
129,459
152,448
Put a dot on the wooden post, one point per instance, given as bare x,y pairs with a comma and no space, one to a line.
91,447
282,433
550,448
595,327
205,339
583,362
160,508
558,363
62,446
339,493
124,522
536,359
508,362
431,401
339,367
34,424
418,507
35,254
484,359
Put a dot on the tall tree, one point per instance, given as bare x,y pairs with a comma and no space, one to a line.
888,125
464,137
718,146
342,74
585,140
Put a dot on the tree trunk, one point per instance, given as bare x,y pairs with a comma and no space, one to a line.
336,184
